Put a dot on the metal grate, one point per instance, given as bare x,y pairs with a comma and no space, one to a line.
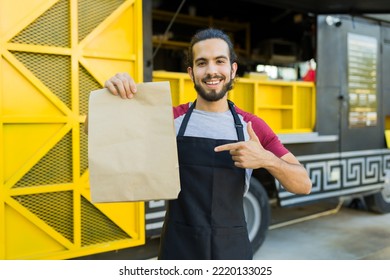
53,70
54,168
55,209
83,150
87,84
89,19
96,227
50,29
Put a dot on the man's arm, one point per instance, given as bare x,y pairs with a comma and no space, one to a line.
86,125
290,173
287,169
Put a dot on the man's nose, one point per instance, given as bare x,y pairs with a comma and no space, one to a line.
212,68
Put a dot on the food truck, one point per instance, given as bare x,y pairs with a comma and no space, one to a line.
55,52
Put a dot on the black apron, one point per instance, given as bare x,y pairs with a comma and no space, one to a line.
207,220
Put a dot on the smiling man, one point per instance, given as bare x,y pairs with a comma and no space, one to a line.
218,147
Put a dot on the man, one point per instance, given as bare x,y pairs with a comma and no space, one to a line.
218,146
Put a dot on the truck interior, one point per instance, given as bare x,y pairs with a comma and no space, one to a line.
276,37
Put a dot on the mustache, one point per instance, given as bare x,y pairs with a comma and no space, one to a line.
209,77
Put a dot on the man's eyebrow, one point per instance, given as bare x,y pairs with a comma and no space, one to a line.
222,56
200,59
218,57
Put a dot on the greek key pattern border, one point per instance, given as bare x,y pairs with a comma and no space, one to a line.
335,174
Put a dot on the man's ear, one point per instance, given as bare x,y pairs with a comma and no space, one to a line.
190,72
234,69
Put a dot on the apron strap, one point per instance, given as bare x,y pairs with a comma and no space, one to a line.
237,122
184,123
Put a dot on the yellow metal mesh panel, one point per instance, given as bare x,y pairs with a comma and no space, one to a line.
83,150
96,227
50,29
52,70
55,209
54,168
89,19
51,65
87,84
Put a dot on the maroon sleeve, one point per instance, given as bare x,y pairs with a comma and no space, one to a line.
180,110
267,137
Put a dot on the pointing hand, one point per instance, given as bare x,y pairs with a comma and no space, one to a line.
246,154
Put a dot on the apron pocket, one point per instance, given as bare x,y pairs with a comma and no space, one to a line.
183,242
231,243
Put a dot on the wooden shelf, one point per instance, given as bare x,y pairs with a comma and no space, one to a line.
200,21
170,44
231,27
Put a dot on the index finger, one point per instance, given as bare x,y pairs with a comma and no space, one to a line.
227,147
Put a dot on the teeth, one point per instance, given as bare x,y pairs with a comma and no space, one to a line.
212,82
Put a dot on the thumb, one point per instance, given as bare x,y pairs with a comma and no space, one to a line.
251,132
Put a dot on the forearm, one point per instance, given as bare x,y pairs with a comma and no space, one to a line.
86,125
290,173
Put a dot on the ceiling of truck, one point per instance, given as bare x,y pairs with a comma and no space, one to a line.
270,18
330,6
287,20
276,9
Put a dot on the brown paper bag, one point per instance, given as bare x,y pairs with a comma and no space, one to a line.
132,149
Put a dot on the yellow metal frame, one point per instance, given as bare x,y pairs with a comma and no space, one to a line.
34,120
288,107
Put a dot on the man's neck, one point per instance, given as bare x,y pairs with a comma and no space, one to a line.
216,106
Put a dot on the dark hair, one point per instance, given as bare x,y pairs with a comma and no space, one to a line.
210,33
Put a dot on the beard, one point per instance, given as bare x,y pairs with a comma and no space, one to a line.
213,95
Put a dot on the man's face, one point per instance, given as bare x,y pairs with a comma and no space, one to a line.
212,72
